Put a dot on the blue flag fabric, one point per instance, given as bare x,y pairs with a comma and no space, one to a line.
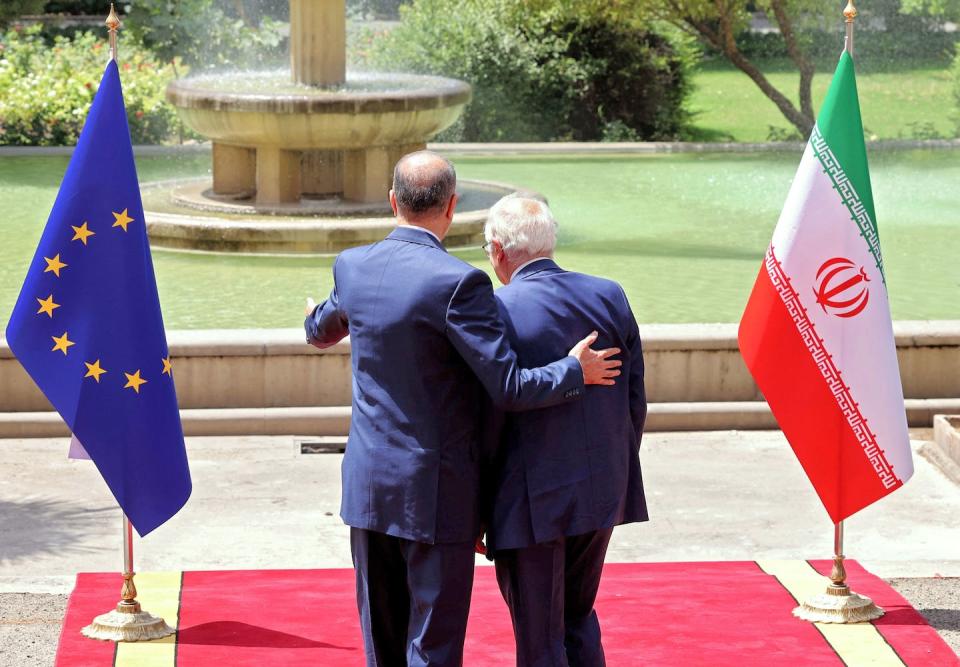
87,325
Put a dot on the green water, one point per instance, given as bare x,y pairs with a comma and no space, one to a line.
684,234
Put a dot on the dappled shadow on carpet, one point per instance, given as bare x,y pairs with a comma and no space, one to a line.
233,633
36,526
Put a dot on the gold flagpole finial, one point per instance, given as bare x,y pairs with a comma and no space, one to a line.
113,24
849,14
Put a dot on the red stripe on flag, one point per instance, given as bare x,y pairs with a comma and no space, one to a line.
805,407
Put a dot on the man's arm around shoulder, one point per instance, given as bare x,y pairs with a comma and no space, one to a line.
475,329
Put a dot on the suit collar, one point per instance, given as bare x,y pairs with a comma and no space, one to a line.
534,267
418,235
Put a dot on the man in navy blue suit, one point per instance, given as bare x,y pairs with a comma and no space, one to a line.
564,475
428,347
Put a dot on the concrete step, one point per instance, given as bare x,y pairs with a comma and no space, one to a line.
335,420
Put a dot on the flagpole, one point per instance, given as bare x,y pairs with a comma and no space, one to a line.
128,594
127,622
839,604
849,14
838,575
113,24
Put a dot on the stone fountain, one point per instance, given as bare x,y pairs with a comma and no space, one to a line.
303,161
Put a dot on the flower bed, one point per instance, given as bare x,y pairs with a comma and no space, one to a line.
46,90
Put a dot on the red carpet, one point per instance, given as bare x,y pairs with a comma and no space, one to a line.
717,614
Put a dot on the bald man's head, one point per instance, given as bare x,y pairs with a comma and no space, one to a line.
423,183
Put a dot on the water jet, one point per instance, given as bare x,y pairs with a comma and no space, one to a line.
303,159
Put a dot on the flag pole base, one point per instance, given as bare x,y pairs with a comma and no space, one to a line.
836,607
127,623
838,604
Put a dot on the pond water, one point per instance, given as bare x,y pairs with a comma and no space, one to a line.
684,234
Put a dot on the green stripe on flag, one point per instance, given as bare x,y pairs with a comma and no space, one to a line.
851,199
842,128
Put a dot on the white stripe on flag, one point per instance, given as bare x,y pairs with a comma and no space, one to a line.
862,347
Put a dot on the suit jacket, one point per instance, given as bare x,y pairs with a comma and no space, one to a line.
568,469
427,347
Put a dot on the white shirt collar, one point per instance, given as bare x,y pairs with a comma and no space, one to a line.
525,265
426,231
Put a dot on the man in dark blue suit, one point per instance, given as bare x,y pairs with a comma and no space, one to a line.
564,475
427,347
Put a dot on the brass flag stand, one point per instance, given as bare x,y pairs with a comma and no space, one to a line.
128,622
838,604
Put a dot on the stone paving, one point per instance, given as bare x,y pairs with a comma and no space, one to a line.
259,503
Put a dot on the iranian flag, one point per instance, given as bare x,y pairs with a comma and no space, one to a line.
817,334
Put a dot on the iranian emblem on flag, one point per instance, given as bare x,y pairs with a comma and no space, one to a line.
817,334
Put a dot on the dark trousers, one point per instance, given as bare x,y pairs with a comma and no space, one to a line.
550,589
413,599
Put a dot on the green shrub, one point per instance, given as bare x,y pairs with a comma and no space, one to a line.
46,91
541,74
614,77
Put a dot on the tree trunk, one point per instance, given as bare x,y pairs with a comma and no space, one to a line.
724,41
801,121
241,12
797,56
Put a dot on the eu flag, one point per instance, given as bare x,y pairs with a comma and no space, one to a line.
87,325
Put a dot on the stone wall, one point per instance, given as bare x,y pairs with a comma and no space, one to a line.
270,381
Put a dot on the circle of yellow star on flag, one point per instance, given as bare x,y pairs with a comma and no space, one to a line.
54,264
61,343
47,305
122,219
81,233
94,370
134,381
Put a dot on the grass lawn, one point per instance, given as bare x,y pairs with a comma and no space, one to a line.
913,102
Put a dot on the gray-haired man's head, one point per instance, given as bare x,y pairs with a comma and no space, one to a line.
518,229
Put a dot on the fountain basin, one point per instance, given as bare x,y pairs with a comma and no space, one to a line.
263,108
276,141
182,215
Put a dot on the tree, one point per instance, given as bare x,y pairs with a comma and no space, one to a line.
545,70
12,9
946,10
719,22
